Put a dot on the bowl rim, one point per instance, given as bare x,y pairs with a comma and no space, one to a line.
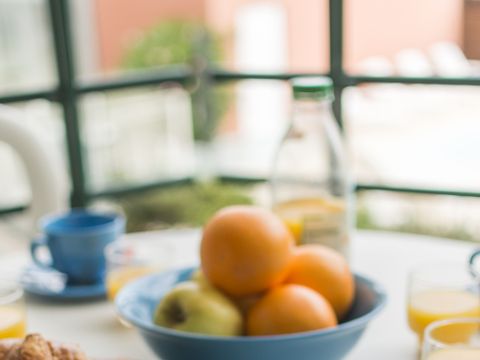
378,290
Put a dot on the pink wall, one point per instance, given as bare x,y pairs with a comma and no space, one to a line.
373,27
307,24
220,16
308,28
120,21
383,27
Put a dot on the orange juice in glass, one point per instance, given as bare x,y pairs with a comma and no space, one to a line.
448,340
318,220
12,311
132,257
118,278
440,292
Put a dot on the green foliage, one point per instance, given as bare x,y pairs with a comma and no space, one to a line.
185,205
364,219
171,42
183,42
412,224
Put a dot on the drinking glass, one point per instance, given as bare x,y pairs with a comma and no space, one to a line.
439,292
453,339
12,310
132,257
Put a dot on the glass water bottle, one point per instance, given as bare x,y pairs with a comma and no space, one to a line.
310,184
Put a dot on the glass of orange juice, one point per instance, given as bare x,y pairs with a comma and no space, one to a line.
132,257
453,339
12,311
439,292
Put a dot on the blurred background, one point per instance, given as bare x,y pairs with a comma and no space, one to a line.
167,93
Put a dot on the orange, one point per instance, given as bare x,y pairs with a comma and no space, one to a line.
245,250
325,271
245,303
290,309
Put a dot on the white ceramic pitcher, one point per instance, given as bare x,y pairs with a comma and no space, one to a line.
45,175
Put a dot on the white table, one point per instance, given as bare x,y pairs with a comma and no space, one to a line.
385,257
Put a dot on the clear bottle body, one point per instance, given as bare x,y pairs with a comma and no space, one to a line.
311,190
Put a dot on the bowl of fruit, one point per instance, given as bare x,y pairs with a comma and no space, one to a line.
256,295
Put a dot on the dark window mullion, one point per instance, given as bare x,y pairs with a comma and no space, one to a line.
222,75
175,73
47,94
355,80
414,190
336,56
60,22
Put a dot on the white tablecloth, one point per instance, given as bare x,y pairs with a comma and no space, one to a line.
385,257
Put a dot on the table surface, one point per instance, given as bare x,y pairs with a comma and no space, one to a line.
385,257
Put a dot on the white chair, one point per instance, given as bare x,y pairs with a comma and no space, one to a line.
449,60
46,179
412,63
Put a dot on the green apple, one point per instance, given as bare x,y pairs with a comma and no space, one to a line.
199,277
191,307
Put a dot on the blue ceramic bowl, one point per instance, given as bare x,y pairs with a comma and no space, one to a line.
138,300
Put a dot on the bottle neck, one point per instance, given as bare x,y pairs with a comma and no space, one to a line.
308,102
306,110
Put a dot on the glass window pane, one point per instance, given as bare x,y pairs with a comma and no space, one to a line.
182,205
251,128
472,29
443,216
134,137
119,36
26,51
411,38
270,36
415,135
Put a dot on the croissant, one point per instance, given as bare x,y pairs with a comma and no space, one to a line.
35,347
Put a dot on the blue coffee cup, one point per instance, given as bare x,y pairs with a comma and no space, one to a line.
76,242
